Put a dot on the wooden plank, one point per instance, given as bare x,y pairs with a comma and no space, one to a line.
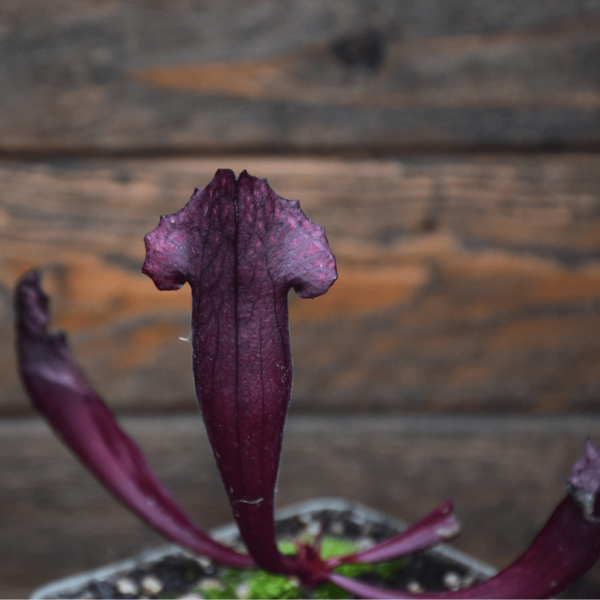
505,475
298,76
466,284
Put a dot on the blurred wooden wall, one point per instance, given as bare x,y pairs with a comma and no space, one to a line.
451,150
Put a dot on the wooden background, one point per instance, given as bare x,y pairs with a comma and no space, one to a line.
449,147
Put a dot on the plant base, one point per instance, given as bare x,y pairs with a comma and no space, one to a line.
170,572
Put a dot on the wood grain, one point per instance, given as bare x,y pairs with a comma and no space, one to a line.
298,76
505,475
466,284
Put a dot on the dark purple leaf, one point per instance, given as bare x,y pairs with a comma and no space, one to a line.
60,391
437,527
241,248
566,547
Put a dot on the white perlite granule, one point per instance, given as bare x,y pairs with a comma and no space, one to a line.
126,586
153,585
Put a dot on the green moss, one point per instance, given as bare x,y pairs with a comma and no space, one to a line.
255,584
286,547
336,547
265,585
387,570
